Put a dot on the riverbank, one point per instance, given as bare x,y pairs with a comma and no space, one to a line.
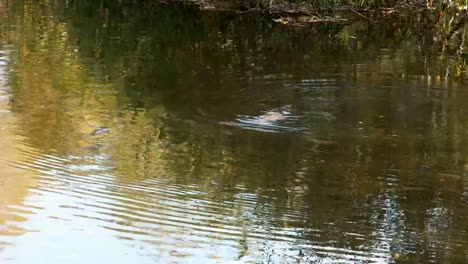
302,13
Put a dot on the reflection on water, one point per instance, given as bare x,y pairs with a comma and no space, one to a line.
139,133
14,181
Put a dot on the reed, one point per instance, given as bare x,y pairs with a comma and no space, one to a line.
339,5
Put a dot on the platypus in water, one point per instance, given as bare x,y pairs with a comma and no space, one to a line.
98,131
276,115
272,116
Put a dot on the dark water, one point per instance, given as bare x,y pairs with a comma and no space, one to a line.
142,133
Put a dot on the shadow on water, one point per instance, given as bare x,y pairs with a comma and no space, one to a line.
149,128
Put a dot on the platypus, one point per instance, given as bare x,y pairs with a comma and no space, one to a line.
272,116
276,115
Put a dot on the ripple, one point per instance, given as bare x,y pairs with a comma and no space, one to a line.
157,212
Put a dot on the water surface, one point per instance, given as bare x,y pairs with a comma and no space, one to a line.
141,133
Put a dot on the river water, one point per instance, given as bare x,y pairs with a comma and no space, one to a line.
144,133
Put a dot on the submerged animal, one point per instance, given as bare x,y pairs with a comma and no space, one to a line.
99,130
276,115
280,119
272,116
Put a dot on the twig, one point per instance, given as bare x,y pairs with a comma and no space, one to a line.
363,16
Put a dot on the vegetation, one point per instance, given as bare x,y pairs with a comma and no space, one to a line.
300,12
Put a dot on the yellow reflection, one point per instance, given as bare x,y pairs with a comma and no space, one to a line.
14,180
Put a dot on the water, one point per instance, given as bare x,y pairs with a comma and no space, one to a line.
140,133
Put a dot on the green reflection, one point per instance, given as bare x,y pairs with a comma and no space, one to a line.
375,145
